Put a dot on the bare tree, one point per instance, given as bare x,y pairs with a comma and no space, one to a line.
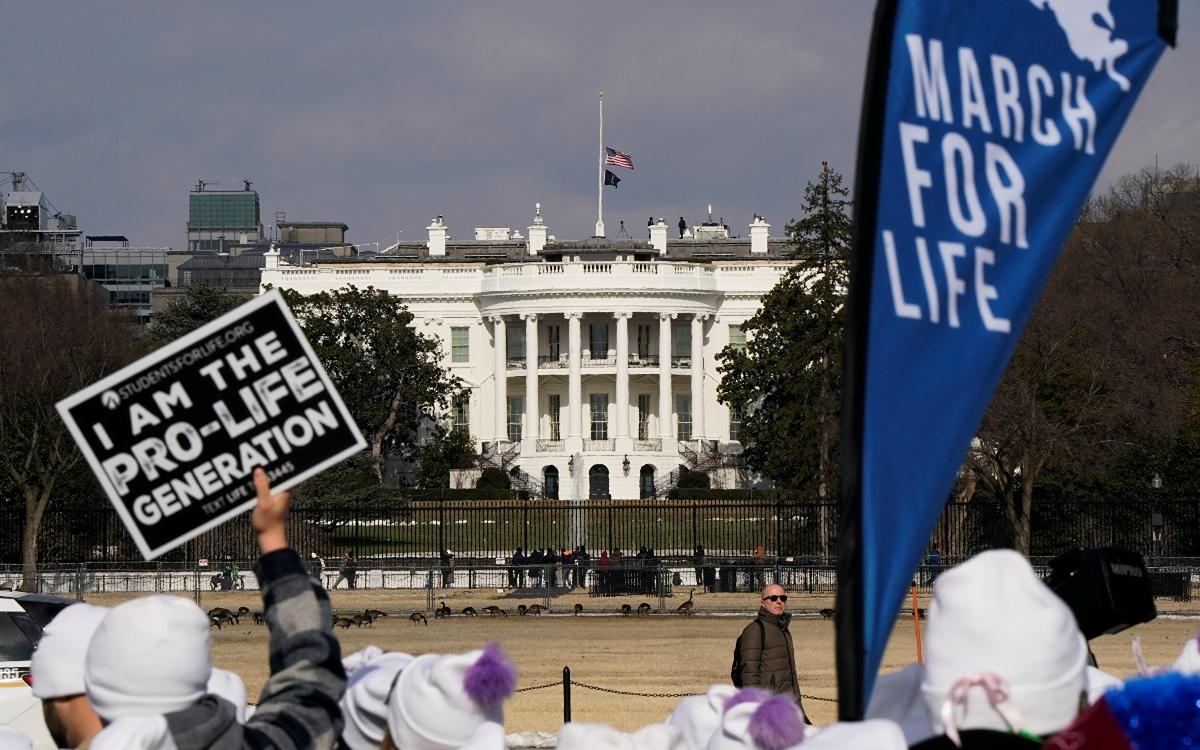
1111,349
57,335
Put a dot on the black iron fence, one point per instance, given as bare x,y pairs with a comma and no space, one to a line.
486,529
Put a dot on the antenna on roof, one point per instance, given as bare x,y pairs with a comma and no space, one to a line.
201,184
247,184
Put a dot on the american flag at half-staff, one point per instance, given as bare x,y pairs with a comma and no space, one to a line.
617,158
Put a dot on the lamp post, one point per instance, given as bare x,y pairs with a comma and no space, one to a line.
1156,519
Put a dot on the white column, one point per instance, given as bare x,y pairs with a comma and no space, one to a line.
666,426
501,370
532,406
622,380
574,384
698,376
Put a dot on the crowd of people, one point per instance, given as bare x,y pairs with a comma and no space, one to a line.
1006,666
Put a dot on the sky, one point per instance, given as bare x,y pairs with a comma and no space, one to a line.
383,115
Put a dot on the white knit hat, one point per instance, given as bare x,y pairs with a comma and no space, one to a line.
149,656
227,685
897,698
440,701
603,737
1098,683
774,724
364,704
993,623
57,665
488,736
698,716
1188,661
872,734
11,739
353,662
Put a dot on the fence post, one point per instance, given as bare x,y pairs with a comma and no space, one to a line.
778,526
441,527
196,589
660,576
429,591
695,524
80,576
566,695
546,585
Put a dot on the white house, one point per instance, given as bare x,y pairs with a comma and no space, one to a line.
591,365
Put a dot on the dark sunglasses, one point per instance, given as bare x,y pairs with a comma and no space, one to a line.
775,598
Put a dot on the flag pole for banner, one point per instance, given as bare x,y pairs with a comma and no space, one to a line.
600,175
851,639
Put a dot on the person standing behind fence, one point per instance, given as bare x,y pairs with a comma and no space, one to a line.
760,562
698,563
764,656
536,558
516,574
447,560
933,564
349,570
582,561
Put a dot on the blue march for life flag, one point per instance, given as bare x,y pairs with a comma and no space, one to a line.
985,123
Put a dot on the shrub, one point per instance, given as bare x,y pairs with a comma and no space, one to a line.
492,478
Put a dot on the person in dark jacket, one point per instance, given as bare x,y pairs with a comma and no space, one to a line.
764,649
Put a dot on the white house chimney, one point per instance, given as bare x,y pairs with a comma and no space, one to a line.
658,236
538,231
437,237
271,259
758,235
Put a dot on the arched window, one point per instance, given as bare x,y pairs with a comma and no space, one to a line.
550,482
598,483
646,482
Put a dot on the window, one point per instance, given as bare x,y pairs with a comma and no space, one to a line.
737,338
599,402
643,416
681,342
736,412
598,339
555,409
554,342
460,344
460,414
643,341
683,416
514,343
516,409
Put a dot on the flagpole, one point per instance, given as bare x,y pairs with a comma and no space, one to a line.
600,176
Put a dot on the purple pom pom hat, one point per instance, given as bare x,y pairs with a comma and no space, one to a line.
440,701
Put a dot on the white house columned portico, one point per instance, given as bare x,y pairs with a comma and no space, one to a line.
590,367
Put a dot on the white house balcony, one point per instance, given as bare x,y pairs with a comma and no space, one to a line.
555,278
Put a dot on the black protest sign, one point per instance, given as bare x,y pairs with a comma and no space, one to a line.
174,437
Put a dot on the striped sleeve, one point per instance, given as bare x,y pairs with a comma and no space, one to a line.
298,707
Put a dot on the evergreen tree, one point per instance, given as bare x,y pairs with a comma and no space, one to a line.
787,378
195,307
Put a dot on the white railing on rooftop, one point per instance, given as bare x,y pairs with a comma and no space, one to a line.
440,278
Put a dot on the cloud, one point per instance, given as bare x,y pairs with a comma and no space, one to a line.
385,116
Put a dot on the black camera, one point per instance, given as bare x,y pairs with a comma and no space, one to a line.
1107,588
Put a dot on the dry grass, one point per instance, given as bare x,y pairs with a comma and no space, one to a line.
661,653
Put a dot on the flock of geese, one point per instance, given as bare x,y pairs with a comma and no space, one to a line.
443,610
219,616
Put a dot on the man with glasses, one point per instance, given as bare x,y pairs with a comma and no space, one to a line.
764,657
